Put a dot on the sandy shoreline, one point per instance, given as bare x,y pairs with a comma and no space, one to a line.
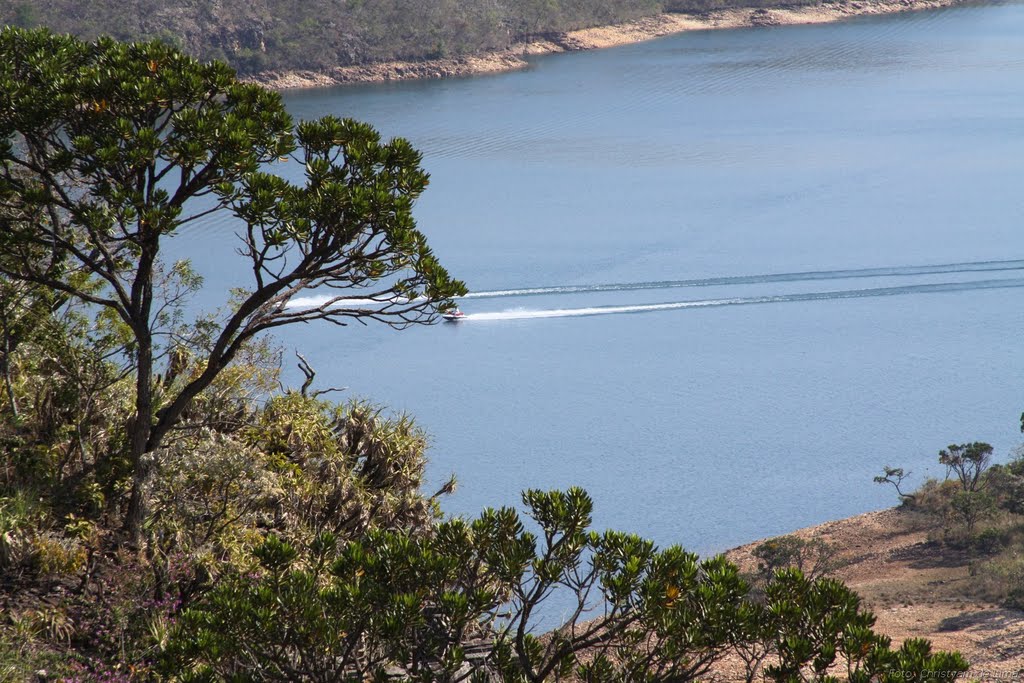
589,39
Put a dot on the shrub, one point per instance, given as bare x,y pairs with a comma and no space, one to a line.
972,494
814,558
462,603
1006,484
343,468
968,462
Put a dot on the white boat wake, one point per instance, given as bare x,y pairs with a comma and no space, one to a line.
527,314
805,276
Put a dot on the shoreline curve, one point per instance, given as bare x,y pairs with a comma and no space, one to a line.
515,57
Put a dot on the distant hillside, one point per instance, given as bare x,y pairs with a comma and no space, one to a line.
262,35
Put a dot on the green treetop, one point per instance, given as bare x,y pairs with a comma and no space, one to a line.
107,148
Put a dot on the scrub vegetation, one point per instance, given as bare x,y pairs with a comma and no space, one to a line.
169,512
977,512
264,35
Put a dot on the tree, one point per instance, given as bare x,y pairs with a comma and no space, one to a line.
17,309
967,461
107,149
895,476
818,628
815,558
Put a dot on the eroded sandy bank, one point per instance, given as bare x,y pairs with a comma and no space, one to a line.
589,39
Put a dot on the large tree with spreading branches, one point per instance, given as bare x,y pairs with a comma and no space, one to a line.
107,149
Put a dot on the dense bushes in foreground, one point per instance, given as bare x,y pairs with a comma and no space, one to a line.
289,539
461,603
264,534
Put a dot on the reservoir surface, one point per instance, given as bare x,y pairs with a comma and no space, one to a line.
720,279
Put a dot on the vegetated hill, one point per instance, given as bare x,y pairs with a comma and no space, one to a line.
264,35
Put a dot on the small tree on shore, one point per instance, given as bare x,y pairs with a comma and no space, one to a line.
968,461
815,558
107,149
895,476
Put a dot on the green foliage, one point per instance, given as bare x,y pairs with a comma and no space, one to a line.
272,35
978,510
302,467
287,538
319,34
462,602
269,35
64,395
20,522
818,627
895,476
1006,484
814,558
971,507
968,462
964,498
106,149
335,616
358,468
33,548
24,649
207,495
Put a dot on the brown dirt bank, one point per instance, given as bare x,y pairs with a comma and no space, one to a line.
916,588
592,38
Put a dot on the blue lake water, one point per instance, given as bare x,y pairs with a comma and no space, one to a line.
873,167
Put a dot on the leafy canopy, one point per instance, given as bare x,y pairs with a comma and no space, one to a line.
107,149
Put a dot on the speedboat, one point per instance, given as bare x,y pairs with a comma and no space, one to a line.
453,316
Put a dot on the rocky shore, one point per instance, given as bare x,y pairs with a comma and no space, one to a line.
589,39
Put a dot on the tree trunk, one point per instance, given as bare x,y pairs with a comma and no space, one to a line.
5,369
139,431
6,351
142,425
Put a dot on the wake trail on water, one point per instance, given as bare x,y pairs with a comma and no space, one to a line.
813,275
526,314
